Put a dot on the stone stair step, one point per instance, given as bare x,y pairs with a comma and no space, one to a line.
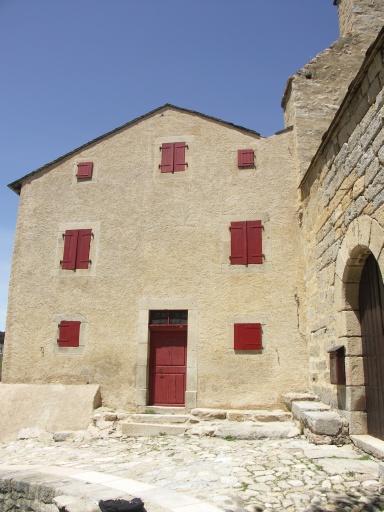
158,418
323,423
241,414
209,414
253,430
159,409
151,429
288,398
259,415
370,444
301,407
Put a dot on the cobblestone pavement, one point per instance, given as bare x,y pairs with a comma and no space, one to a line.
290,475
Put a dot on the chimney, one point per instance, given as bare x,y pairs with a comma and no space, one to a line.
364,17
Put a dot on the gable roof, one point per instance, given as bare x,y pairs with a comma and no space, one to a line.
16,185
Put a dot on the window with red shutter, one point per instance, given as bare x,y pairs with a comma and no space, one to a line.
254,242
77,243
245,158
70,249
238,243
69,334
179,163
246,242
84,171
83,248
247,337
173,157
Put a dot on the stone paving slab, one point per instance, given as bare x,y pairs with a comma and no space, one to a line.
224,474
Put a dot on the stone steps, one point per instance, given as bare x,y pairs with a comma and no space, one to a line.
258,415
151,429
319,423
247,430
307,415
160,409
158,418
225,423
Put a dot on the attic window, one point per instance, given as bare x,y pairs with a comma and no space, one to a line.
245,158
84,171
173,157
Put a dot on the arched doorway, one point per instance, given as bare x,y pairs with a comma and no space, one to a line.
371,302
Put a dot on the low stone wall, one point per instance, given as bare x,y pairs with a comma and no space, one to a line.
50,407
25,496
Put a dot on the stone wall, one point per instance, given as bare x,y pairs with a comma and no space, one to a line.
161,241
343,221
315,92
356,15
25,496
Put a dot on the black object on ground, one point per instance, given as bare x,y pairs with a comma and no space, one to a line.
135,505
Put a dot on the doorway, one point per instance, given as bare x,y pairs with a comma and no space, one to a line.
168,357
371,301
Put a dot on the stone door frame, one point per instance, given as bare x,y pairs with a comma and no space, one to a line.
142,349
364,236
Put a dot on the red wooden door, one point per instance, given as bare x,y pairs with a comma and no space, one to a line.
168,357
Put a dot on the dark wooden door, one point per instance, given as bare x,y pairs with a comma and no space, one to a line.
371,297
168,357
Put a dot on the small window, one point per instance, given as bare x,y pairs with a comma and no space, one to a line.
178,317
173,157
69,334
84,171
165,317
246,158
77,244
246,242
247,337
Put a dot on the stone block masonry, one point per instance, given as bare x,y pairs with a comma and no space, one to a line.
315,92
343,222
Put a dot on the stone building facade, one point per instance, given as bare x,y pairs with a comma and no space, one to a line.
342,225
164,242
161,241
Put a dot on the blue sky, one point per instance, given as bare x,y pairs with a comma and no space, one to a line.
74,69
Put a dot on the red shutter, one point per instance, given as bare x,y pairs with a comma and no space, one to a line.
247,337
69,334
70,247
167,151
84,170
245,158
179,156
254,241
83,248
238,243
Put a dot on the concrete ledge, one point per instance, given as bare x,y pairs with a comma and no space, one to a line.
50,407
369,444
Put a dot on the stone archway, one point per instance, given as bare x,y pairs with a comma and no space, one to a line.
364,237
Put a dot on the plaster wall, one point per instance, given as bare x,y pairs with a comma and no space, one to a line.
161,241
